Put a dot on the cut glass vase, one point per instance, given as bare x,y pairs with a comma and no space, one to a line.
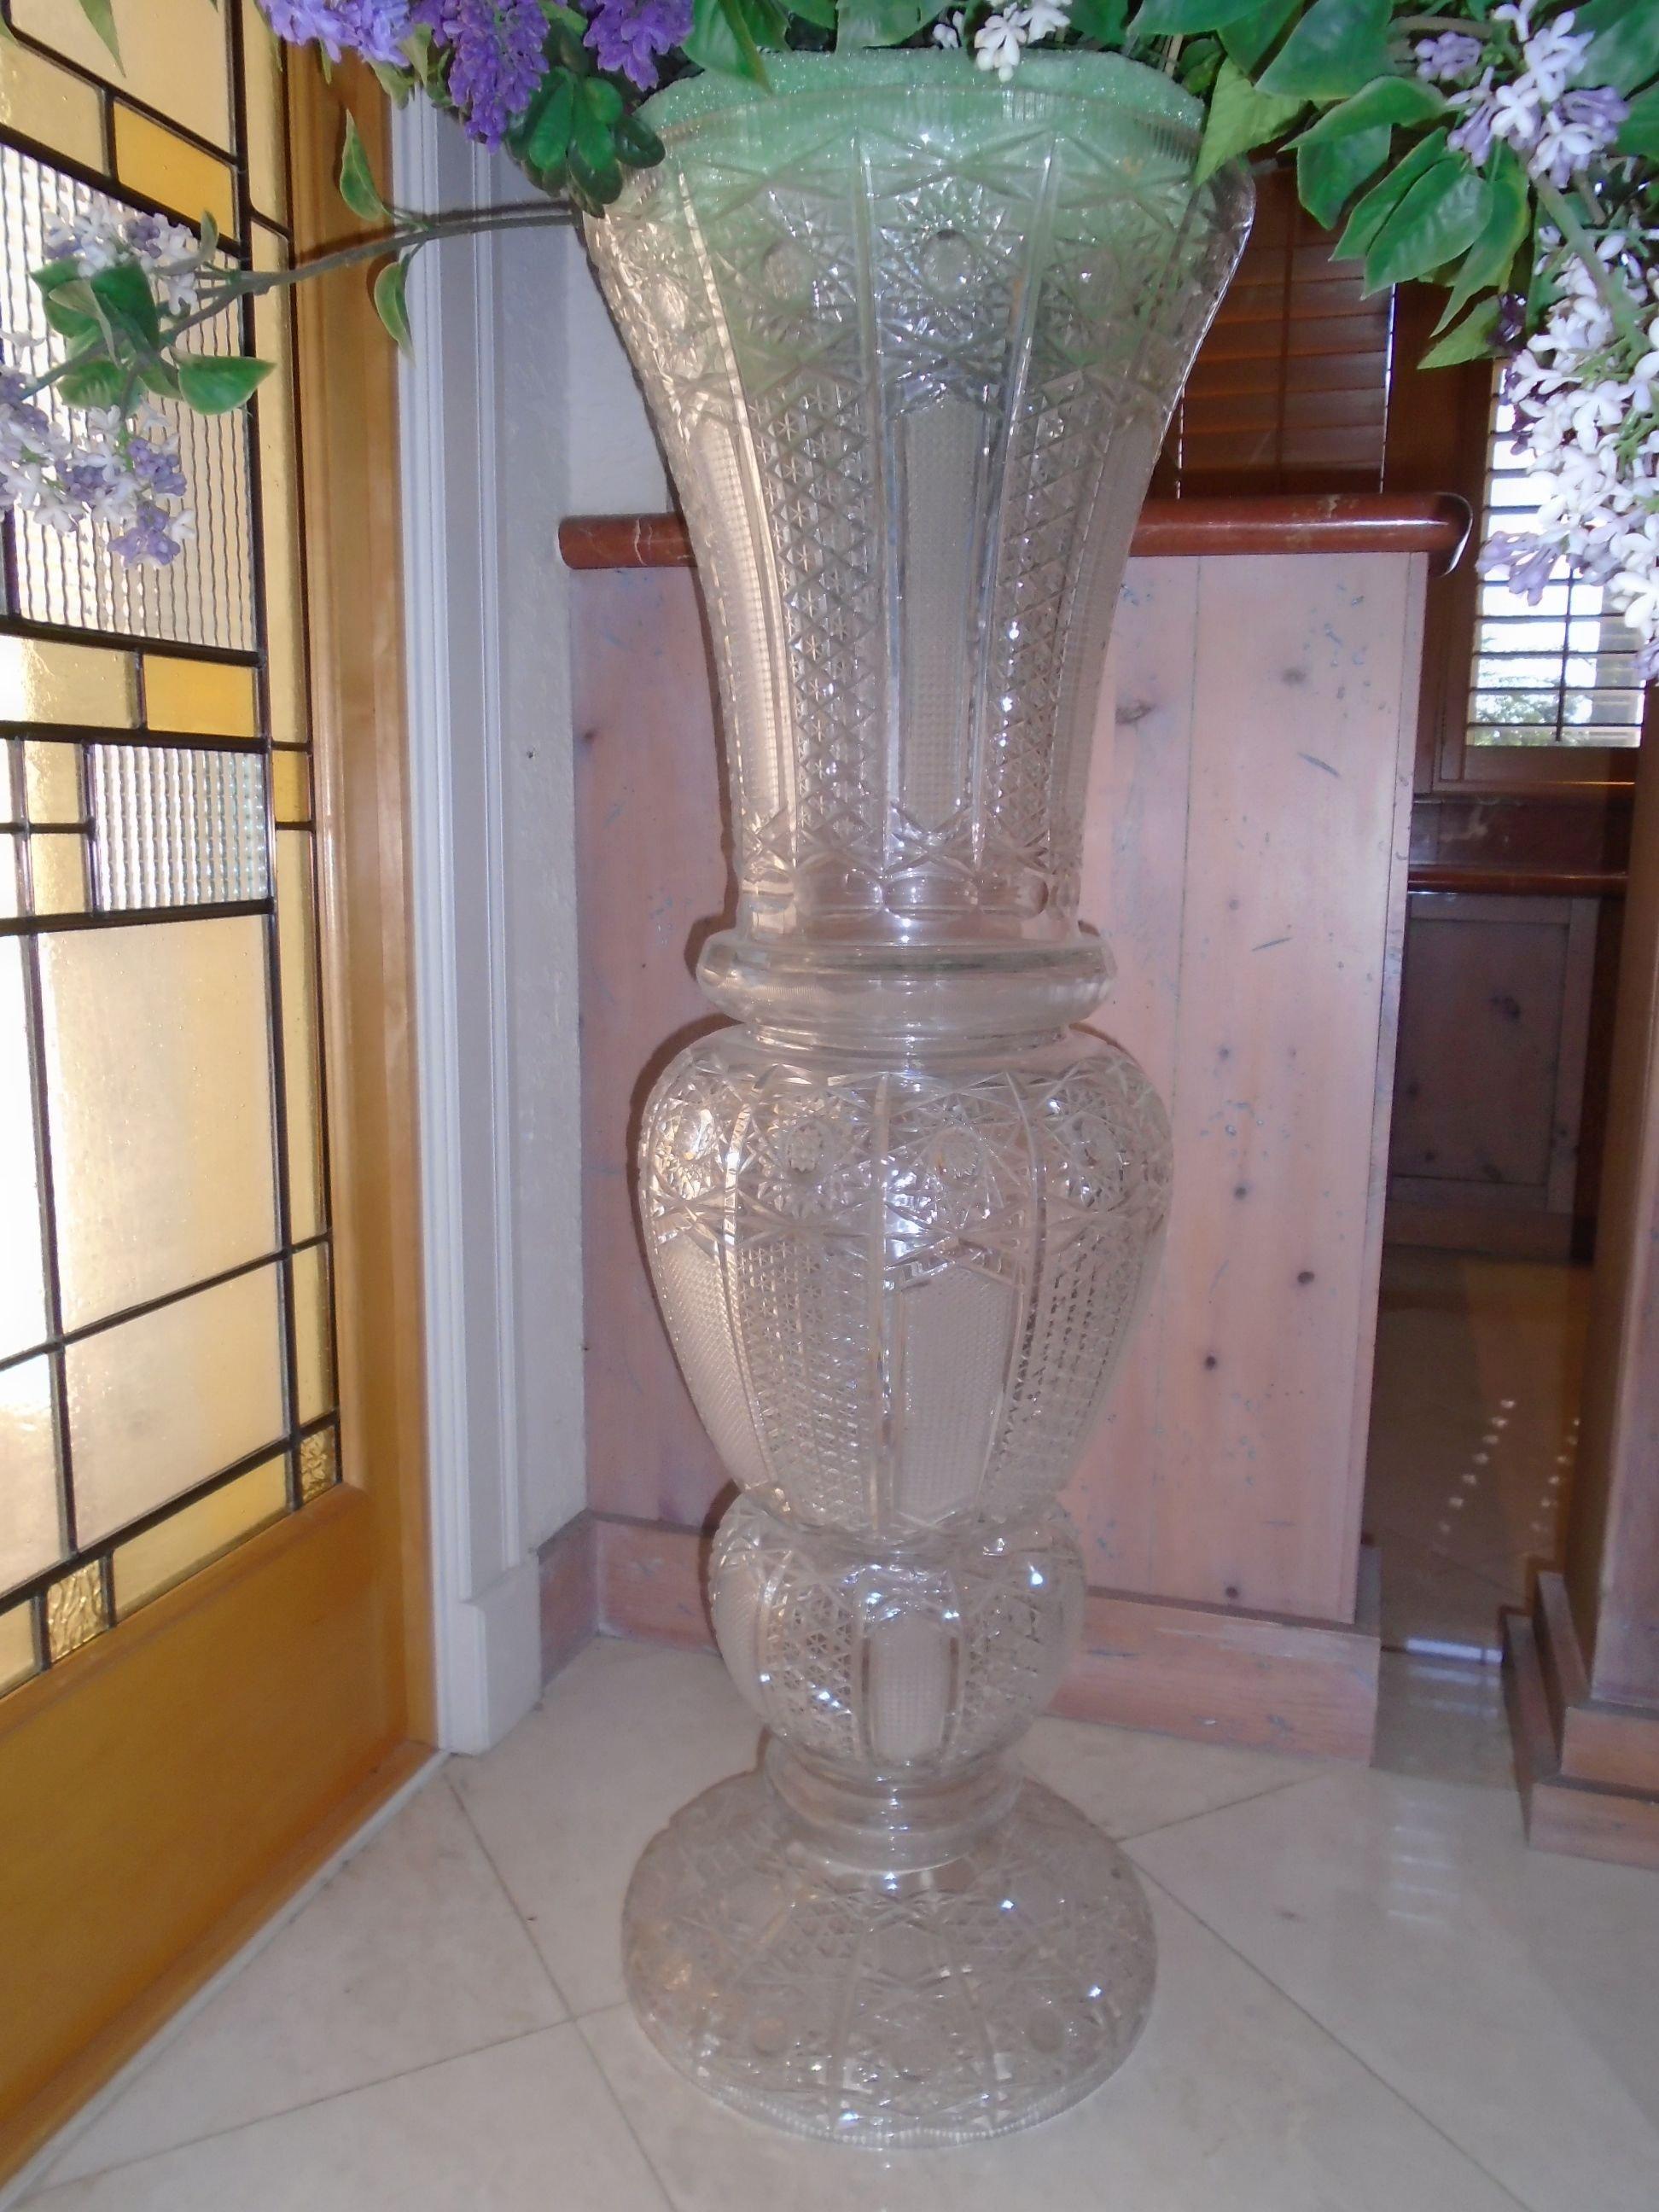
911,339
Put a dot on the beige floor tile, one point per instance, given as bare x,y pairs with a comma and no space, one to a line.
527,2126
624,1737
1232,2102
1443,1720
1511,1996
1130,1781
412,1954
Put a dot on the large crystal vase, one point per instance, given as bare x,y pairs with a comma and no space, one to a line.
911,339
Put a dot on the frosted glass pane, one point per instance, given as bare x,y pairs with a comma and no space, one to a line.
22,1287
199,698
284,647
17,1659
159,1403
52,780
158,1089
297,939
319,1465
10,904
313,1353
290,787
162,165
262,79
58,863
196,1534
30,1536
52,682
39,100
173,55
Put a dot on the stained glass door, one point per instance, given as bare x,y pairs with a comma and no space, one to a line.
185,1582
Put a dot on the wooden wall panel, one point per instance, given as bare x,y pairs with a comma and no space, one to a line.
1247,861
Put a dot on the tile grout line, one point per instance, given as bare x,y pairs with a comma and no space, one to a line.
304,2105
1254,1797
1331,2036
511,1901
623,2112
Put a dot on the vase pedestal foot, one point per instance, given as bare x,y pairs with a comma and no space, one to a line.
937,2005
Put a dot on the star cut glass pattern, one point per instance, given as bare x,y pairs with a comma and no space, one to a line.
911,340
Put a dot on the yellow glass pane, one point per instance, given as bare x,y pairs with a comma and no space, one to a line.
262,79
173,55
30,1536
313,1349
200,698
162,165
52,780
57,861
22,1282
197,1534
296,941
42,681
290,785
319,1465
41,101
158,1091
159,1403
17,1659
279,482
76,1612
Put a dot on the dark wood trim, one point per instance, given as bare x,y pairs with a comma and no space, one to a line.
1522,883
1588,1771
1331,522
1219,1675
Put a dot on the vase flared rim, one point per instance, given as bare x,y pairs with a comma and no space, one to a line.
1111,79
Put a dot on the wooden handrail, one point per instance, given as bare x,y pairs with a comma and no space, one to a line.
1327,522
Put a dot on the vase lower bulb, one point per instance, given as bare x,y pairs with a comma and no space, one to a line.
886,1934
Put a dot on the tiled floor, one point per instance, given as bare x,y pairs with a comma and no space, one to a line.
1473,1425
1371,1998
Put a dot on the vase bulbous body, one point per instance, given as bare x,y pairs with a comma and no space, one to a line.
911,339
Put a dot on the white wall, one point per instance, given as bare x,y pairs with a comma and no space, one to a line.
519,408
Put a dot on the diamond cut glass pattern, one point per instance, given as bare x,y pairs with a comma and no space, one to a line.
911,340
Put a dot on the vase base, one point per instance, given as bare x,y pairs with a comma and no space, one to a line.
928,2008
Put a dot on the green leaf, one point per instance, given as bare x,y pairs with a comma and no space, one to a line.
1349,143
1337,48
1247,38
1488,261
545,133
821,14
638,144
398,84
602,99
98,383
101,14
1329,171
1100,20
1438,219
357,186
1379,203
882,22
1470,341
1625,51
1161,19
723,41
160,377
391,302
213,385
1241,116
123,293
1640,133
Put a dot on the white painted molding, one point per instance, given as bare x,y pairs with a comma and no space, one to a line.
484,1580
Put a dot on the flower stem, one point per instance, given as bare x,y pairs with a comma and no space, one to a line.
1617,302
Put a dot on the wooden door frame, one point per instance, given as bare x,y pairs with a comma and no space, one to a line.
83,1731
